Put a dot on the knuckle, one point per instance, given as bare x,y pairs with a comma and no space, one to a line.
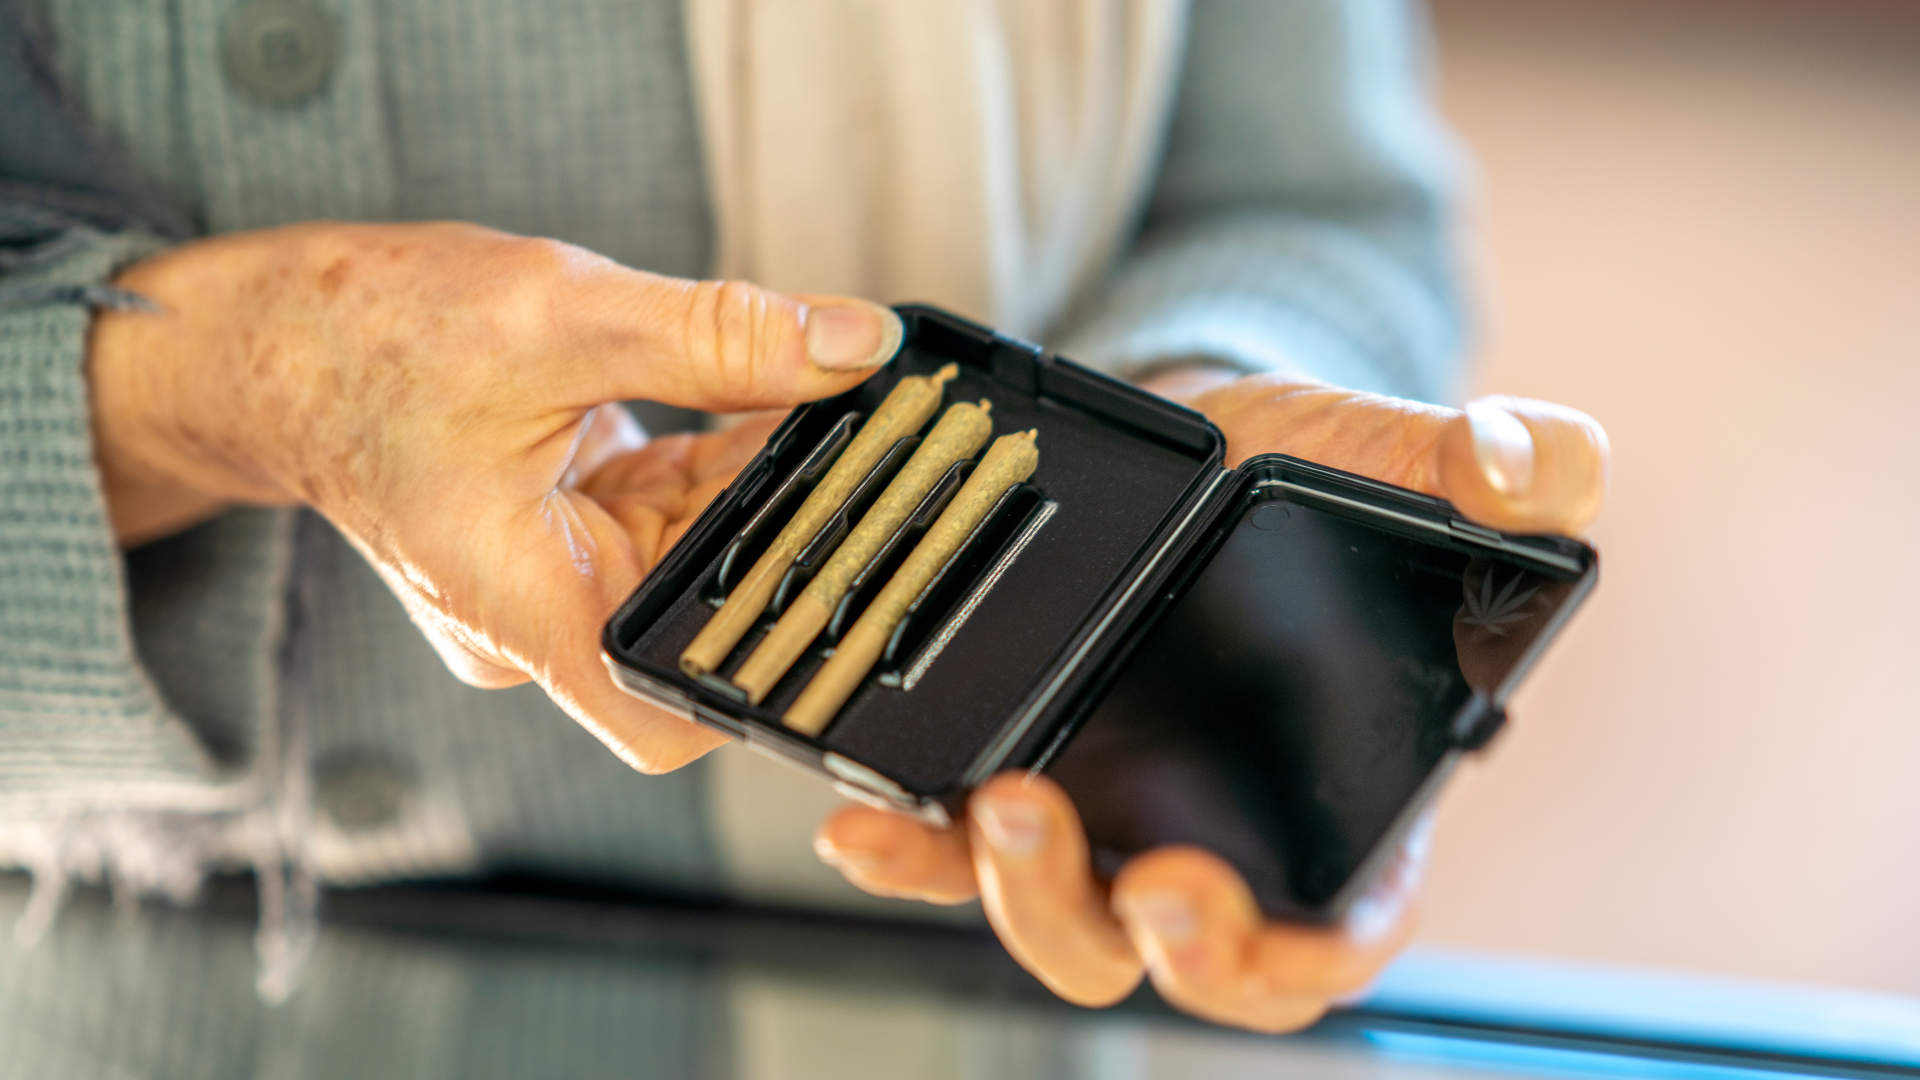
533,259
518,300
731,326
552,259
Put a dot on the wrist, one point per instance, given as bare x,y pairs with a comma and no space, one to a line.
160,429
146,495
145,503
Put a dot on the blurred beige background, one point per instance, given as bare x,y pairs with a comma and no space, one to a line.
1701,223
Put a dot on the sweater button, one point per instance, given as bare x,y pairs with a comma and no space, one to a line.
277,51
360,792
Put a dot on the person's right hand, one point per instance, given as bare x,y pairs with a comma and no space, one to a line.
435,391
1181,915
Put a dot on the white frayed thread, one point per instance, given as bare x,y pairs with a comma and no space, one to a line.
43,905
141,855
289,926
136,854
263,822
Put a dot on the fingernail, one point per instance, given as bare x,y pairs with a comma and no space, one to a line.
1012,828
852,335
1503,446
1166,915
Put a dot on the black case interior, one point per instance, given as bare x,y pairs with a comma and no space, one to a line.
1022,635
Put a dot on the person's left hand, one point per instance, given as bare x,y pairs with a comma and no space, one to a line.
1180,914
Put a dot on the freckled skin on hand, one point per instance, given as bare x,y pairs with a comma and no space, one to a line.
429,389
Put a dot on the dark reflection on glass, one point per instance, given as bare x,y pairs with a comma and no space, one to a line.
1294,702
462,985
170,993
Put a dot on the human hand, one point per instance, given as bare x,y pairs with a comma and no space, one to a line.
436,391
1181,915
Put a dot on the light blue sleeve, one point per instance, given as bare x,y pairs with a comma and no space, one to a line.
1301,219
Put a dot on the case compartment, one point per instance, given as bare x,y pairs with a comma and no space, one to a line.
943,607
1121,470
868,583
827,540
752,540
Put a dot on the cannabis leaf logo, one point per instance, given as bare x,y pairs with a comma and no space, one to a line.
1495,613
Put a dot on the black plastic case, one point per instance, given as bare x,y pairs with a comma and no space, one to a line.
1023,634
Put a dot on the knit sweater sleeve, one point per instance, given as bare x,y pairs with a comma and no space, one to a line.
100,708
80,722
1300,221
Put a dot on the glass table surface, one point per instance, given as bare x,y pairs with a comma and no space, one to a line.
518,980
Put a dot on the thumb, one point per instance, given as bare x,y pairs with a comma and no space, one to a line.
1523,465
731,346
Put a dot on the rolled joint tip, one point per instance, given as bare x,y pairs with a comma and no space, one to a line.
757,684
776,653
946,374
